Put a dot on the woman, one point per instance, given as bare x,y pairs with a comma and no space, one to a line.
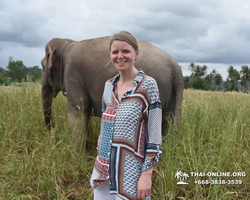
129,144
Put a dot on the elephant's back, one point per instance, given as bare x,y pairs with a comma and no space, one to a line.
161,66
93,56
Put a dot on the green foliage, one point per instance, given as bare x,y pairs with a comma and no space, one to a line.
34,73
2,70
199,79
18,72
199,83
217,79
186,80
245,78
213,137
233,74
208,81
197,70
3,78
231,84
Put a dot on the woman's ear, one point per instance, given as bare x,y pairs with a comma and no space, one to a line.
136,54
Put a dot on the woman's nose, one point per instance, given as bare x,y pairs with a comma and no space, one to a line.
120,55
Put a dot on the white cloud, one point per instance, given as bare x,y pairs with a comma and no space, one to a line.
209,31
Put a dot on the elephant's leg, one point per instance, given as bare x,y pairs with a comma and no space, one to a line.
164,124
79,113
87,123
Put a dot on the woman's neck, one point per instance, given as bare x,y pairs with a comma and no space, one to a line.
127,76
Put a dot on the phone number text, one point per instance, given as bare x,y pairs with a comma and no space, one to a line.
219,182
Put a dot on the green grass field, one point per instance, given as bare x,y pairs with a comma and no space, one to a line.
214,137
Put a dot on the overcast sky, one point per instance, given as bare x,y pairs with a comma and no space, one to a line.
211,32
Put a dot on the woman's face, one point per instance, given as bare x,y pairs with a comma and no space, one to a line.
123,55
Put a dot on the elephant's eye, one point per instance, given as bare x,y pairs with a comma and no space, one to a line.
48,56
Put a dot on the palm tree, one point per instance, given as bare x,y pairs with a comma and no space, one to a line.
208,80
232,79
213,72
204,70
233,74
198,71
192,67
217,79
197,79
245,78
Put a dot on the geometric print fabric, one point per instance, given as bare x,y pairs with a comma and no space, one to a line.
105,143
154,124
132,171
124,124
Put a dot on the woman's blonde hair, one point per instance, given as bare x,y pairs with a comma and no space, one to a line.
126,37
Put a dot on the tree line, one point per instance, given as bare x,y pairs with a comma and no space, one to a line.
16,71
201,79
236,80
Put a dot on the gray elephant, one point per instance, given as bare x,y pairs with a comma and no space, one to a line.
80,70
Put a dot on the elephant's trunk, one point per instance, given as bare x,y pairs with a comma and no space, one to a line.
47,97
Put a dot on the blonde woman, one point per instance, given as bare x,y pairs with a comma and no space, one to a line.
129,144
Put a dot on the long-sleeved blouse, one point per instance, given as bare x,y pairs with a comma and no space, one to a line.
130,135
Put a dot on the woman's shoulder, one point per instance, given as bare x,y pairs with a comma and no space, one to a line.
149,81
111,80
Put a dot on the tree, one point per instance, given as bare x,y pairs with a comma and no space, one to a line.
217,79
233,74
203,70
245,78
192,67
16,70
2,70
34,73
197,70
186,82
199,83
208,80
213,72
3,78
196,79
232,79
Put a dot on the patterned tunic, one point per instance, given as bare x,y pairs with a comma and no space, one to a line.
130,135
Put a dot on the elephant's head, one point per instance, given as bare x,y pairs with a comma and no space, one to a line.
53,73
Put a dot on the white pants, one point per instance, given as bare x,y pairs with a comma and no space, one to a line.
102,192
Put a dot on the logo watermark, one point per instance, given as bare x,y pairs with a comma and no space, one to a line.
183,176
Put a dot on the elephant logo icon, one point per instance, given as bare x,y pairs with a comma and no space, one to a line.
181,176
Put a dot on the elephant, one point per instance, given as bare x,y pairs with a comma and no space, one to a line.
80,69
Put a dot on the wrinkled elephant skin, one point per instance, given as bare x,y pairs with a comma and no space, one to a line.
80,69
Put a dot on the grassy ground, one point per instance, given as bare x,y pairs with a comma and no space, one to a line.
214,137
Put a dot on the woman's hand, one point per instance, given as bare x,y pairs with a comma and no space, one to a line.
144,184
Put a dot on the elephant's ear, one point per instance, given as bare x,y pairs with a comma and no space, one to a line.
50,62
50,57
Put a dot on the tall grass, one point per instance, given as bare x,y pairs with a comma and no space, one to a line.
213,137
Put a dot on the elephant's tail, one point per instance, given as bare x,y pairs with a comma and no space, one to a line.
178,87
